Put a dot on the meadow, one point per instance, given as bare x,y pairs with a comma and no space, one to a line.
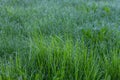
59,40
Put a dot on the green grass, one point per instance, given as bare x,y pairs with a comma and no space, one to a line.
59,40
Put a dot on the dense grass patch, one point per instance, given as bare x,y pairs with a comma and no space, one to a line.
59,40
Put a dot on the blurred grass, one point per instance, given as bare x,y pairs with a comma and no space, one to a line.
59,40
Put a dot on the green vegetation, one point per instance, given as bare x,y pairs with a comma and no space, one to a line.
59,40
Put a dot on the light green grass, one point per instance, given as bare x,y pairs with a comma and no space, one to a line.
59,40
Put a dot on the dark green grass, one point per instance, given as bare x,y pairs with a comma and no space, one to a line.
59,40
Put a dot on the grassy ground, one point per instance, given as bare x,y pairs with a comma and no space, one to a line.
59,40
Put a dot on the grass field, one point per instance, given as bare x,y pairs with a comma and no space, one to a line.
59,40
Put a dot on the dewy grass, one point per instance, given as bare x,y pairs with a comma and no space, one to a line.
59,40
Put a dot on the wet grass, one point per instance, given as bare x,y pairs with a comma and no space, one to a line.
59,40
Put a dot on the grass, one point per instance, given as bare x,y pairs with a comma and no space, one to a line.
59,40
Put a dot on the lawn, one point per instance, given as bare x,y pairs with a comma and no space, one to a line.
59,40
